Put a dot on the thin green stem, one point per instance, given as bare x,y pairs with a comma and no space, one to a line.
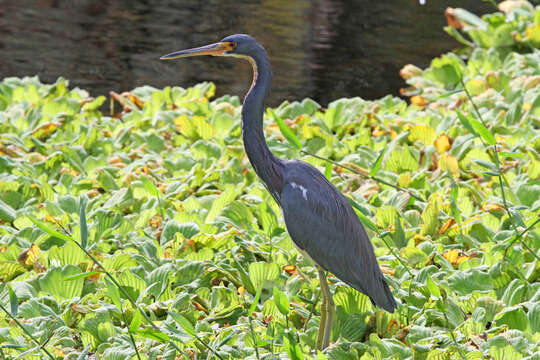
312,310
27,332
406,268
130,334
124,292
374,178
254,338
381,236
496,155
452,335
273,339
520,235
208,347
499,174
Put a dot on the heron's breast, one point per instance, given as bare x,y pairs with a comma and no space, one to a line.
303,252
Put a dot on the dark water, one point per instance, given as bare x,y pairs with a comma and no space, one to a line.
321,49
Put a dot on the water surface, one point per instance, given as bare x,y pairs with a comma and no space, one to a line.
321,49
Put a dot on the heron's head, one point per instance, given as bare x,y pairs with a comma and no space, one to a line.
240,45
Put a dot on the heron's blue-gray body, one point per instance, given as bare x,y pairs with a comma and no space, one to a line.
319,219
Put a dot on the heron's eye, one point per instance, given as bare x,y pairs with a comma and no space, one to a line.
229,46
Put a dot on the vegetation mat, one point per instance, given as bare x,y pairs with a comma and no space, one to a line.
143,233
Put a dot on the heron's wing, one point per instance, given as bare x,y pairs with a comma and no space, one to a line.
323,224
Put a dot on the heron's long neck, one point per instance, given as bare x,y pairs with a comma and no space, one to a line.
266,165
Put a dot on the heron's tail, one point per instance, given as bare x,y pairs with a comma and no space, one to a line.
383,297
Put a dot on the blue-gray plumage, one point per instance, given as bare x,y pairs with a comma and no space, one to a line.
322,223
319,219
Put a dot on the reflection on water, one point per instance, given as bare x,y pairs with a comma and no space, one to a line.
321,49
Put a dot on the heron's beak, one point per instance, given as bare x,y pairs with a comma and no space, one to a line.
213,49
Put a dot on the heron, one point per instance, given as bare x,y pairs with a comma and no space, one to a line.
319,219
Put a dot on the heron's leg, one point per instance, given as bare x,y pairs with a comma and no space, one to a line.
322,324
327,312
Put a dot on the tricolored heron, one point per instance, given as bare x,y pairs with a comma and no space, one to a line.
319,219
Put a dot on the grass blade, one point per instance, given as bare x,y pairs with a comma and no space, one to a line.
255,300
49,230
84,226
83,275
481,130
13,301
466,123
286,132
184,323
377,164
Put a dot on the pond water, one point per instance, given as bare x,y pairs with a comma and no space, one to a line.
323,49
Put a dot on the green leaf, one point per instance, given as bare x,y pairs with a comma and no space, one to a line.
84,353
83,275
353,327
292,347
432,287
184,323
352,301
238,214
54,282
114,293
512,155
286,132
457,35
328,170
153,334
256,300
204,129
414,256
430,216
7,213
401,160
482,131
385,216
514,317
534,318
260,272
49,230
321,356
466,122
221,202
94,104
13,301
465,282
367,222
149,186
136,321
70,253
363,219
10,270
281,301
507,352
189,229
377,164
476,128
